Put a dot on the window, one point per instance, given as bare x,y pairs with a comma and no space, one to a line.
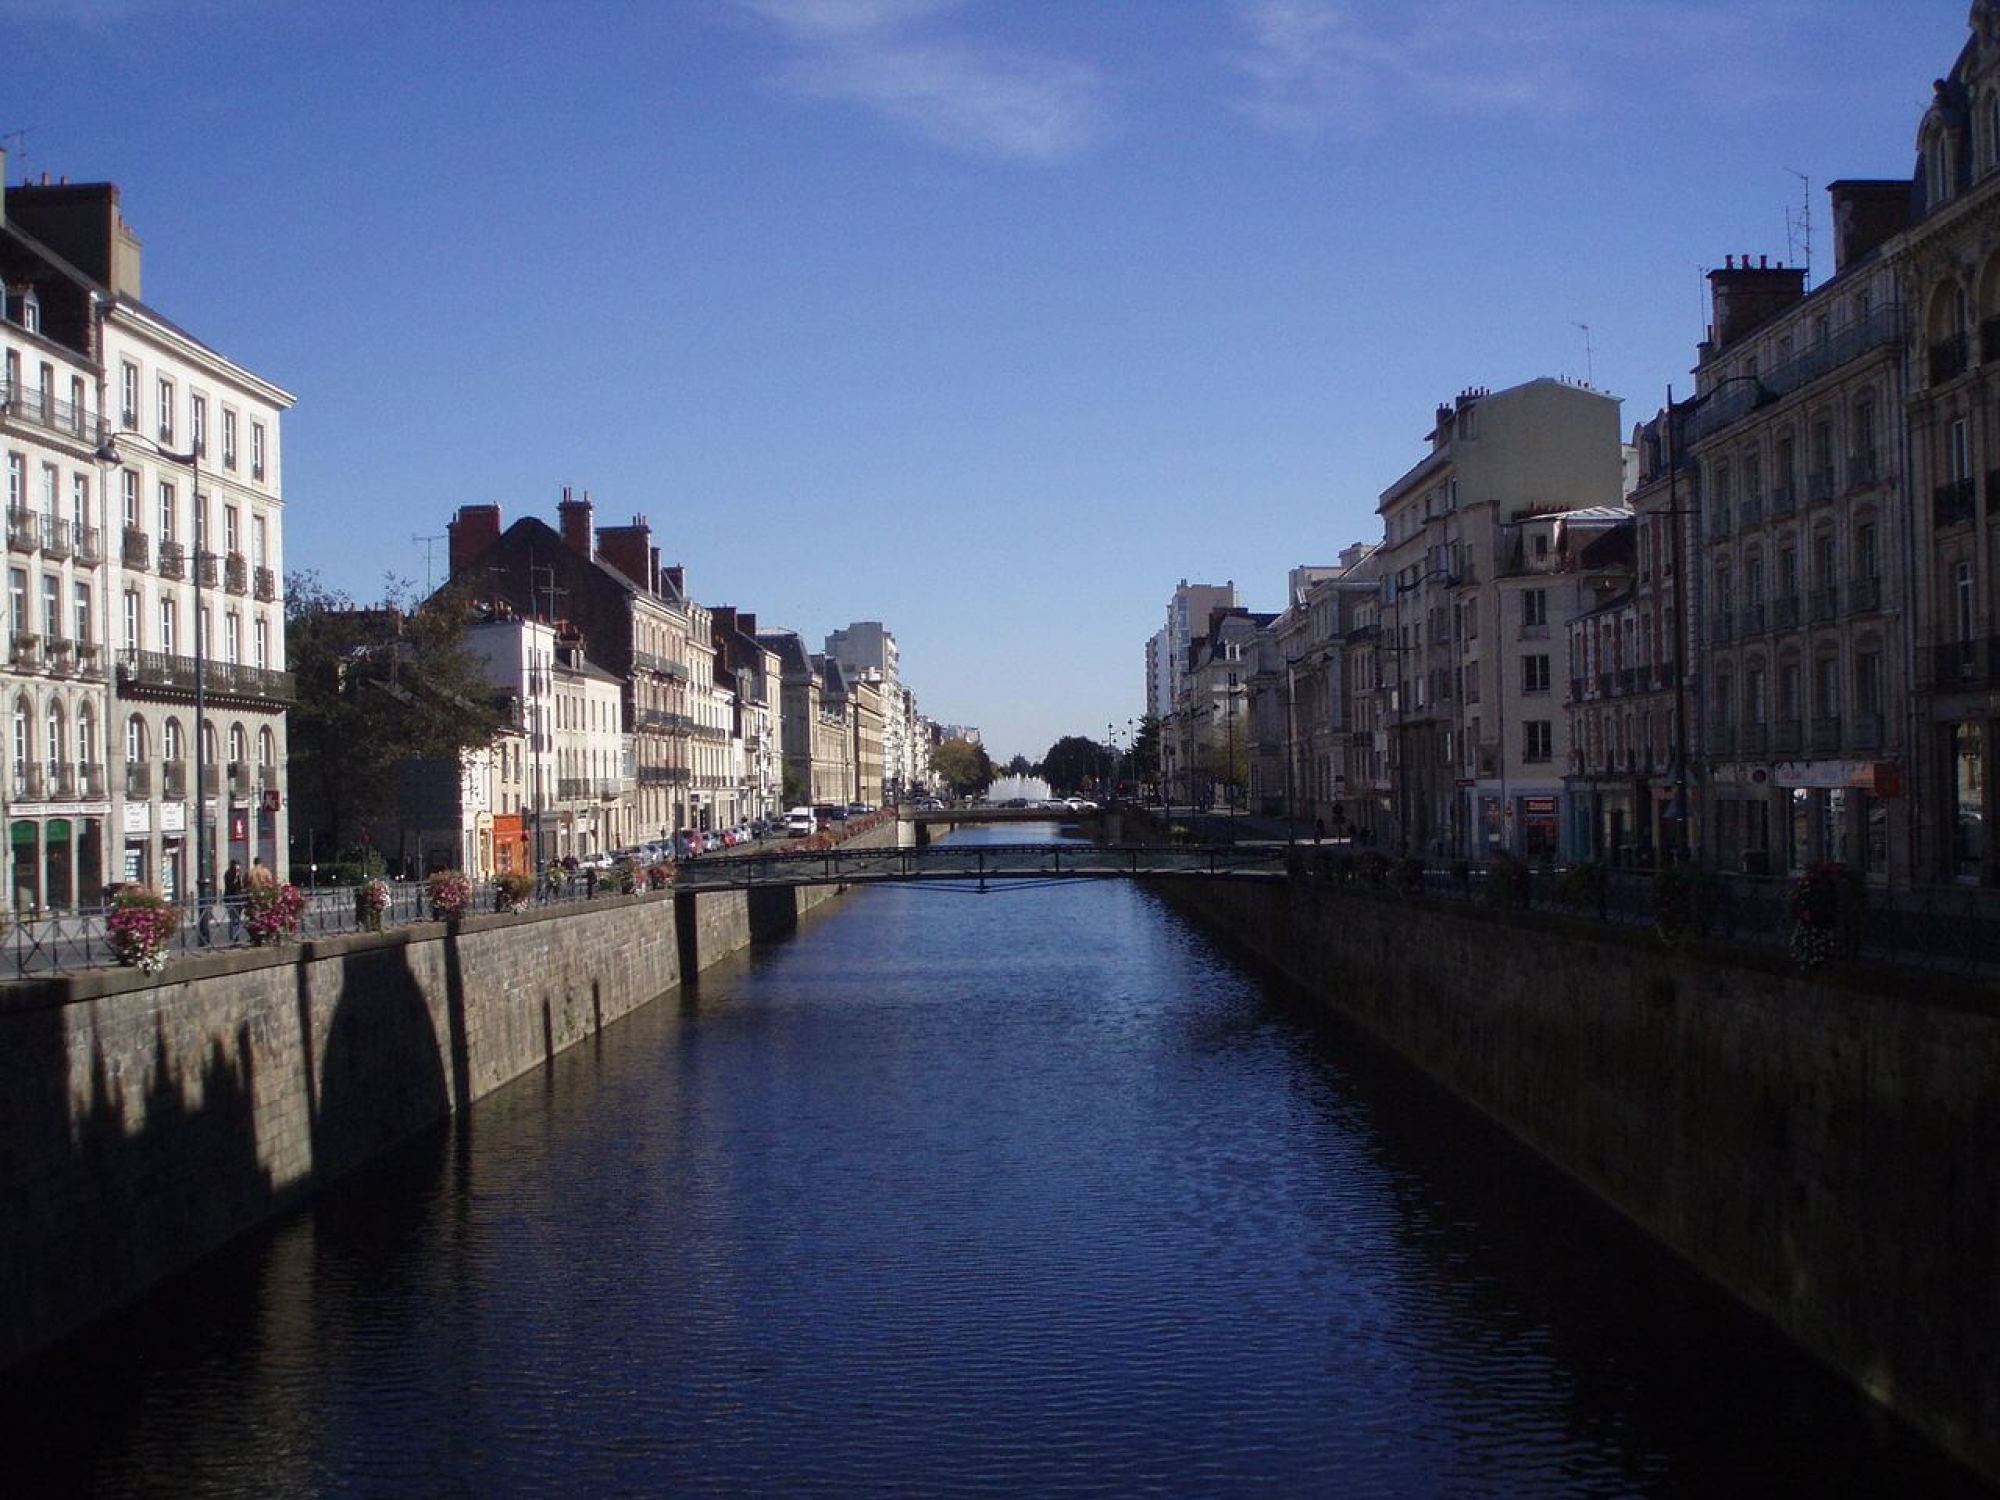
256,450
232,639
1867,554
31,311
166,512
1958,451
1961,591
1534,674
261,633
79,505
128,397
78,410
51,606
1868,682
131,620
128,486
171,745
229,529
198,424
168,614
258,537
228,438
1535,607
239,745
135,740
267,748
1826,690
1537,740
17,602
163,399
80,599
51,483
1756,703
17,481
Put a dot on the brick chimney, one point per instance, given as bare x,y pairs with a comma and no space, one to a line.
1743,297
81,223
1865,213
747,623
473,531
674,577
573,518
629,549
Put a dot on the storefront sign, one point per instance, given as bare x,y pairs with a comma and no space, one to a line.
138,819
1539,811
173,817
1825,774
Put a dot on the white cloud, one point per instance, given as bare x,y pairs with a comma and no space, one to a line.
892,57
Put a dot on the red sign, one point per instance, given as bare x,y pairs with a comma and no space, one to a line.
273,799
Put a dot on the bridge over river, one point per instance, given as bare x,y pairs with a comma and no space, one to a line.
984,862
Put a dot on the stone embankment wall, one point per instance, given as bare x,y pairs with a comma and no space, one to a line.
1824,1150
143,1124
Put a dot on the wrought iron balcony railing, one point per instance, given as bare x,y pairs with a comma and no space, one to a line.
164,672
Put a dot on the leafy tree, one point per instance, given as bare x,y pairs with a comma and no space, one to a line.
1227,766
1146,750
377,685
1020,765
1075,763
962,766
798,793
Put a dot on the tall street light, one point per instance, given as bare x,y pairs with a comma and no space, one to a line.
108,454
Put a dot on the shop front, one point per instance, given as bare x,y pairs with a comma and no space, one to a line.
58,860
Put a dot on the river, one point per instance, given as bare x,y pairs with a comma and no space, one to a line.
1034,1193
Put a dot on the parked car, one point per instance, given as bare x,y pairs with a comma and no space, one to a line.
689,842
712,841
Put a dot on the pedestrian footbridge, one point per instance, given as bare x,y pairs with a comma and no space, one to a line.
983,863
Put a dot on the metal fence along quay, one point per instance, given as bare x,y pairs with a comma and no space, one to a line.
984,862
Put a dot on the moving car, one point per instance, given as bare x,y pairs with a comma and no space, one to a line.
799,822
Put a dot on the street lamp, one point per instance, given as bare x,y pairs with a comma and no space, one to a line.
108,454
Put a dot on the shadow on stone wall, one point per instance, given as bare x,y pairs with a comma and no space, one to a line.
774,911
109,1190
382,1078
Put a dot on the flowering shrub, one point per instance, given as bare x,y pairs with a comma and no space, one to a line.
272,911
1684,902
1826,905
659,876
451,894
1506,882
142,928
512,890
371,904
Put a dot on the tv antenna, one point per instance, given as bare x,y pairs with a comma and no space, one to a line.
429,545
1798,225
15,143
1589,366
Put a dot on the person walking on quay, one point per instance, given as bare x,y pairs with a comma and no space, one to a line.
232,899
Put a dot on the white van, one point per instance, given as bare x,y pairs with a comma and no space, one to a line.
799,823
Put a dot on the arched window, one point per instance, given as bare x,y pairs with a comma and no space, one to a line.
267,748
172,746
86,737
23,753
52,741
239,745
135,740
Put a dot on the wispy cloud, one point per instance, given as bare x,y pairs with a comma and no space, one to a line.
1343,65
908,62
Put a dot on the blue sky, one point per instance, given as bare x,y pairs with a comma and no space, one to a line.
991,319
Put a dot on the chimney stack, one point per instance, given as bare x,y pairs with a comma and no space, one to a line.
627,548
574,518
472,533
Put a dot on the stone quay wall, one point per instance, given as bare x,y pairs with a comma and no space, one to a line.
145,1123
1824,1149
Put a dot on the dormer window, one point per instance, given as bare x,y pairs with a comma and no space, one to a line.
1937,169
31,310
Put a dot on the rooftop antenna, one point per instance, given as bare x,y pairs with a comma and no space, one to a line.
15,143
429,544
1798,225
1589,370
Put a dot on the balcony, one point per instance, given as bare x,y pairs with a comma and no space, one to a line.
1819,486
25,654
1723,406
27,781
1722,739
1826,735
1955,664
60,779
1864,596
236,573
89,661
264,584
671,723
1954,503
1788,736
1756,739
664,775
206,569
1863,467
89,552
1785,611
24,529
164,672
1751,621
1663,674
55,538
211,780
646,661
1631,679
59,655
267,778
241,781
1864,732
173,779
1750,512
138,549
1784,501
1823,606
1949,358
1576,687
173,560
26,403
138,779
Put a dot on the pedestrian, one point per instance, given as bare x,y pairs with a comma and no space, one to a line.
232,899
1319,830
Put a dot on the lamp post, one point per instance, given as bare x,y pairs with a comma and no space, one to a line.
108,454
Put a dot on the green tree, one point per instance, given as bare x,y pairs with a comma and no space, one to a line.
1074,763
377,685
962,766
1146,751
1227,766
1020,765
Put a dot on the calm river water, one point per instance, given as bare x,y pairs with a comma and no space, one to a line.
1025,1194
